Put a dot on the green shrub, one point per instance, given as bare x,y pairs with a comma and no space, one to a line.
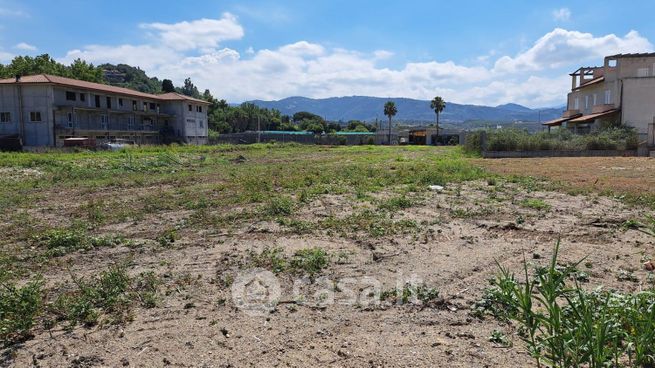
564,325
19,308
473,142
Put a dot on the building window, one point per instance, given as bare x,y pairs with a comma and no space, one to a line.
201,123
35,116
595,99
190,108
153,106
199,109
71,96
5,117
120,102
70,120
82,97
586,102
145,106
103,121
130,122
134,105
97,101
608,97
576,104
109,102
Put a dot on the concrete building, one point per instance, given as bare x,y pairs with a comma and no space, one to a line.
44,110
621,91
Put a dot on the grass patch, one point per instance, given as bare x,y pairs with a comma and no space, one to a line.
396,203
415,294
564,325
59,242
309,261
535,204
113,293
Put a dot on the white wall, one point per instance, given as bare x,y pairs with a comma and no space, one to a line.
639,102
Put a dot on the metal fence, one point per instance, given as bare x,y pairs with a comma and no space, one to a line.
320,139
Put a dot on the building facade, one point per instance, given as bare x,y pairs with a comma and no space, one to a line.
45,110
621,91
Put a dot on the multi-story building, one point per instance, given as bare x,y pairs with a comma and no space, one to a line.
621,91
44,110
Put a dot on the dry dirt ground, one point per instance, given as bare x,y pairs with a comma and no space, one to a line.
461,233
620,174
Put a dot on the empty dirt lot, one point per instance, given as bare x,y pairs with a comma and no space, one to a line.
617,174
163,237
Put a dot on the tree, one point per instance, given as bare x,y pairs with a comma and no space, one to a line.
304,115
390,111
87,72
190,89
438,104
167,86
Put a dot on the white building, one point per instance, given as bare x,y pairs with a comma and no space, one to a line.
44,110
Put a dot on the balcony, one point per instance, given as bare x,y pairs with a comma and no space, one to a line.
64,125
602,108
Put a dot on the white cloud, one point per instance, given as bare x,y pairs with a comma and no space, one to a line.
5,57
382,54
197,34
533,77
561,48
562,15
5,12
145,56
25,47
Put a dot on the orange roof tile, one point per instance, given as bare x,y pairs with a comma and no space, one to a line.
591,117
74,83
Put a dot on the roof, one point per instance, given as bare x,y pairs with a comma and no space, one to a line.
591,117
589,83
74,83
174,96
559,121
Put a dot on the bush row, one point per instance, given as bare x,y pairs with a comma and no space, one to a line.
621,138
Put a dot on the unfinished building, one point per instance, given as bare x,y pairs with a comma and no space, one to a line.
622,91
44,110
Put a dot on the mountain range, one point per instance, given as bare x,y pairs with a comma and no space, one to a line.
409,110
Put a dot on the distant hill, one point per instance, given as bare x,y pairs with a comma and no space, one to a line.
409,110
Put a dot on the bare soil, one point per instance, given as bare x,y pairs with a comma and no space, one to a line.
619,174
462,232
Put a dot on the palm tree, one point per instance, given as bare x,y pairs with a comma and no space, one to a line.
390,111
438,104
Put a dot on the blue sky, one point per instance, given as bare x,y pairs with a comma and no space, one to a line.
477,52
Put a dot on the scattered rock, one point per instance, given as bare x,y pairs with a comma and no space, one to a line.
649,266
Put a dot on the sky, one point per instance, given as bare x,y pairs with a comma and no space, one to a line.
470,52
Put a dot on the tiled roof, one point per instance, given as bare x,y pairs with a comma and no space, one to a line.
74,83
174,96
591,117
